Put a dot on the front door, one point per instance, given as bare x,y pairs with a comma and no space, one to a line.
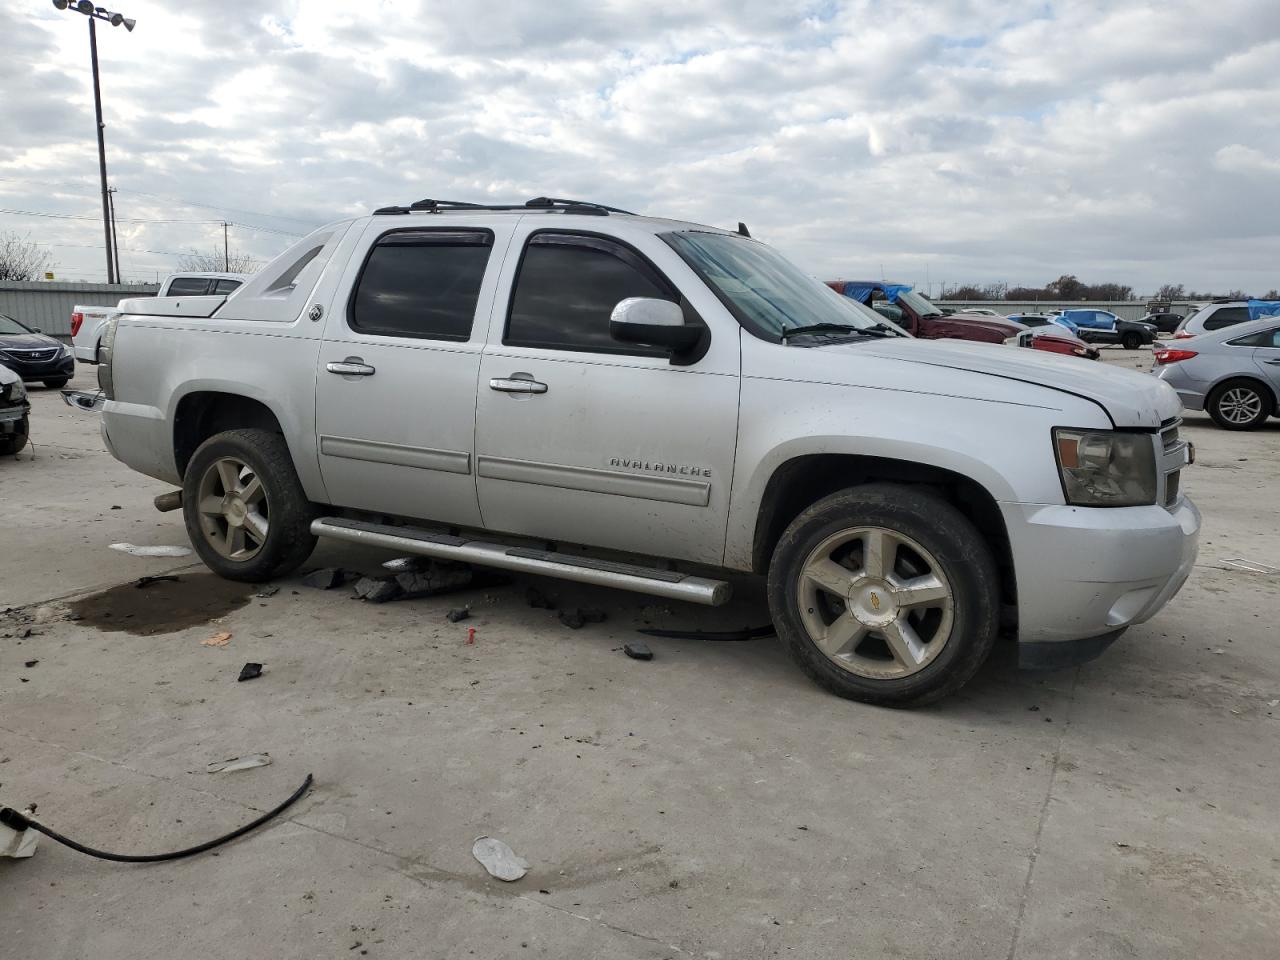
585,440
1267,356
396,384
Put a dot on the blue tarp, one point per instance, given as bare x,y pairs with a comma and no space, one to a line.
861,290
1263,308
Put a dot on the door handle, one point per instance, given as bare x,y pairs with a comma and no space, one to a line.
1274,363
517,386
350,367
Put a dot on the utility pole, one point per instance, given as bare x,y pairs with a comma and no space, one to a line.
115,237
226,258
94,14
102,148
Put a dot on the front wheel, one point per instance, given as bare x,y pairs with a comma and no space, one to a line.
885,594
13,443
1239,405
1131,341
246,512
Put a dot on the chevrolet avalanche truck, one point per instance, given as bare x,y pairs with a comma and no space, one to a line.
565,389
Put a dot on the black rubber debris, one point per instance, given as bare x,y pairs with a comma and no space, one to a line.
161,578
539,600
249,672
378,589
578,617
326,578
270,590
458,615
30,663
637,651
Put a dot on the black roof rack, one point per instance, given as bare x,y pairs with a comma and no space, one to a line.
549,204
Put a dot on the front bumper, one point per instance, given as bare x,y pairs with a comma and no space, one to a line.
64,366
11,417
1084,573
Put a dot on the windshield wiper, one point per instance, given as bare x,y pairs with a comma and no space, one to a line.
888,330
823,328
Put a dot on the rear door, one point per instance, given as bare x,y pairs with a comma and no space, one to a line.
611,444
396,385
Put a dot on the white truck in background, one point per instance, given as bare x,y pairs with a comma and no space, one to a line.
87,322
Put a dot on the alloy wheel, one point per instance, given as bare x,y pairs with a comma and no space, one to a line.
1240,405
876,602
233,509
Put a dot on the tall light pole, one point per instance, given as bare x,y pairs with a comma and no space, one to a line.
115,19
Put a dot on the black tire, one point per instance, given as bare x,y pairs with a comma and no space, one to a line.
1131,341
939,528
56,383
288,541
1223,404
12,444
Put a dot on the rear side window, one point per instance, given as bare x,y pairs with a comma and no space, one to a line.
421,283
225,286
1226,316
188,287
1265,338
567,288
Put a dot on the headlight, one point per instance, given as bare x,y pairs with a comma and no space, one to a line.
1106,468
18,391
66,350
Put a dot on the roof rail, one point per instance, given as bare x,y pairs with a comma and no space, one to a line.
549,204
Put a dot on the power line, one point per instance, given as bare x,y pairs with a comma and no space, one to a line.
74,216
163,253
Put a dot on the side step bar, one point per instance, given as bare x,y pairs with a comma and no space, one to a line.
604,573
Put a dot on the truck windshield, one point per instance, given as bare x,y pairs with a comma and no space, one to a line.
763,290
919,304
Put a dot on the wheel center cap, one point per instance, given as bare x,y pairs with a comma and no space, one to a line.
871,602
234,510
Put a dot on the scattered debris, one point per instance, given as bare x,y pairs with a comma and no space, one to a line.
270,590
539,600
637,651
458,615
249,672
217,640
746,633
499,859
138,551
116,506
233,764
30,663
160,578
471,635
575,619
1034,709
402,564
1250,566
378,589
1219,650
326,578
435,577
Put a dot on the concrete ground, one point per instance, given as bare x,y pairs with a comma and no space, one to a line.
710,803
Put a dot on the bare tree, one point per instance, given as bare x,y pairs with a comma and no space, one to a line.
212,262
1171,291
22,259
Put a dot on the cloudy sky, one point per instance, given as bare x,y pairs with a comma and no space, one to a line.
941,140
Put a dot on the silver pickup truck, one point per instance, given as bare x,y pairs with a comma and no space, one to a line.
567,389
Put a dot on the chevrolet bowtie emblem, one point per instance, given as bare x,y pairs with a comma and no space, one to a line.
875,601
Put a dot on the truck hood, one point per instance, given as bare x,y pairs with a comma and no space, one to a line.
1131,399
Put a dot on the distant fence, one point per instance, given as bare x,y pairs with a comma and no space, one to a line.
1124,309
46,306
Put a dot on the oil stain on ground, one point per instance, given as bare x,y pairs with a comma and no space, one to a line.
163,606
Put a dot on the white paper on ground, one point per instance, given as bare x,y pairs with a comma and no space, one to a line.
151,551
499,859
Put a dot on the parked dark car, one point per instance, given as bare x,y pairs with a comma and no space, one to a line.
34,356
14,408
1163,322
1103,326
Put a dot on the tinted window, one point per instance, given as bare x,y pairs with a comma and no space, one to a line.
188,287
568,287
1226,316
225,286
1265,338
421,283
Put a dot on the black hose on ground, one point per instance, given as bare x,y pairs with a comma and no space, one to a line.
16,820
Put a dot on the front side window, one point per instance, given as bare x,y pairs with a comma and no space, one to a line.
764,291
567,288
188,287
421,283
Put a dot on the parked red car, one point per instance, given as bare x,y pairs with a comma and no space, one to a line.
920,318
1055,340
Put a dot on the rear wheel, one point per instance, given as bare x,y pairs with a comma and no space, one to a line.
246,513
1131,341
885,594
12,443
1239,405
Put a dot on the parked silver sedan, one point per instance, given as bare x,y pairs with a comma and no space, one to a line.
1233,373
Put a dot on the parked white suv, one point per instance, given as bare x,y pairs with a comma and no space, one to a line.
566,389
1213,316
87,321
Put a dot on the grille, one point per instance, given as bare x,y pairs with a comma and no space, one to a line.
33,356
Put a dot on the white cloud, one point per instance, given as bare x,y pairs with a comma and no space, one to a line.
961,140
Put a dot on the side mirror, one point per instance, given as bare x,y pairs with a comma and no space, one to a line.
653,322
